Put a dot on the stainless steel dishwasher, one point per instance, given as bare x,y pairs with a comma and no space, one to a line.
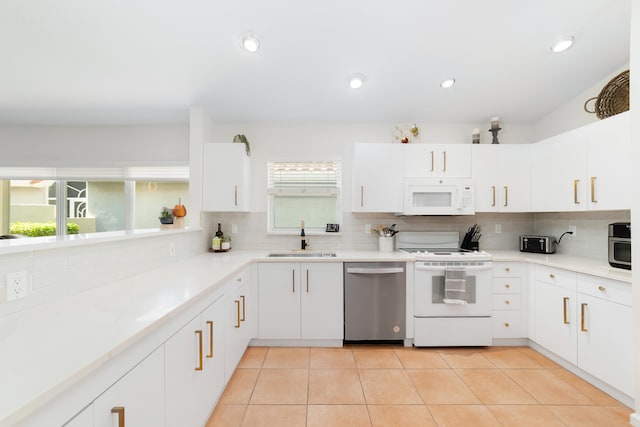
374,301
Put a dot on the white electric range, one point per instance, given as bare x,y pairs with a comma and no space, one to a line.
452,290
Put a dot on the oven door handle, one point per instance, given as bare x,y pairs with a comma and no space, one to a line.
443,268
388,270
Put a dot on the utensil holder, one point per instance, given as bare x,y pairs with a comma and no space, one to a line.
386,244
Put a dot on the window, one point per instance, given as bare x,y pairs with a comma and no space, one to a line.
303,191
88,200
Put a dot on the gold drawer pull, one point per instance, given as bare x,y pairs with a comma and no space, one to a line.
565,300
506,325
210,324
582,308
507,286
551,276
602,288
243,309
120,411
237,325
507,269
199,367
507,302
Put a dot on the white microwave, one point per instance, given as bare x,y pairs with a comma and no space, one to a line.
438,196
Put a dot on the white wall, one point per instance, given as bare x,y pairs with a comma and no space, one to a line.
635,210
572,114
83,146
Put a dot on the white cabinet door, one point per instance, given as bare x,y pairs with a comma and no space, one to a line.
226,175
436,160
514,185
242,311
322,306
609,180
279,301
605,342
82,419
139,395
555,320
213,370
377,178
486,176
559,172
183,376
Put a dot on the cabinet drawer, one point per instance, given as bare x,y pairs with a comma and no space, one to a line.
607,289
505,285
556,276
506,301
507,324
507,269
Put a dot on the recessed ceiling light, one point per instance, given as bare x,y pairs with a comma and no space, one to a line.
562,44
250,43
446,84
356,81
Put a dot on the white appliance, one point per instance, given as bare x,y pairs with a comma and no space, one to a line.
438,196
441,320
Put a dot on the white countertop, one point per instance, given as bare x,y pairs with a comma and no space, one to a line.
80,332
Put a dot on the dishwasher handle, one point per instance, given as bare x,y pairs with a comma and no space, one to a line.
382,270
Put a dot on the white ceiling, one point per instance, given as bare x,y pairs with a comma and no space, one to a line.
148,61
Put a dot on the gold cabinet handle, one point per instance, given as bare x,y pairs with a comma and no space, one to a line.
120,411
602,288
237,325
444,158
565,300
552,276
199,367
593,190
575,191
582,309
235,195
507,302
493,195
210,324
507,286
432,162
307,280
293,281
362,196
507,269
506,325
506,196
244,312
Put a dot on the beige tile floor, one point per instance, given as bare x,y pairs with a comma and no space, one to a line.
403,387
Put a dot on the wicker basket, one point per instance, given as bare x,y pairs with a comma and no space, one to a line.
613,99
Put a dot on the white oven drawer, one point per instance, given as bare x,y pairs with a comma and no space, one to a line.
506,285
452,331
506,302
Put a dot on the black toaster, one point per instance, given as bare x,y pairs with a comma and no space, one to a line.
538,244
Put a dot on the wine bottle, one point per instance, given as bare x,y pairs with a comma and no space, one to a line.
219,233
303,241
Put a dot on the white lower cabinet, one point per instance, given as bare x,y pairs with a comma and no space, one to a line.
301,301
507,300
194,368
587,321
241,311
605,344
136,398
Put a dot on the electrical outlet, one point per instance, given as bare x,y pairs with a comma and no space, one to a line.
572,228
17,285
172,249
367,228
498,229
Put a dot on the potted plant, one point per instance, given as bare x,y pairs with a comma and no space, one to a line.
165,216
243,139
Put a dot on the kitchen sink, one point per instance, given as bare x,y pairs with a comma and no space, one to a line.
302,254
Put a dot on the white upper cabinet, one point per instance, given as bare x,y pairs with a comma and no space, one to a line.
377,178
436,160
502,177
226,176
588,168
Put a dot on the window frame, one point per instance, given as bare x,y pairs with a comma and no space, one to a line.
298,191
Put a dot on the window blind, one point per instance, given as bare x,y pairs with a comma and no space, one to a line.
304,178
